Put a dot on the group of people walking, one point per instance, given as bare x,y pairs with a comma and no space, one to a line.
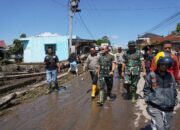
103,65
161,78
160,71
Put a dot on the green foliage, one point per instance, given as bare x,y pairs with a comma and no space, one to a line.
17,47
173,32
104,39
23,35
99,41
177,30
178,27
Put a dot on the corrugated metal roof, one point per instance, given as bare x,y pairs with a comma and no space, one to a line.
150,35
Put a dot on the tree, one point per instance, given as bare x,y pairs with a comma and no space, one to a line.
104,39
178,28
17,47
99,41
23,35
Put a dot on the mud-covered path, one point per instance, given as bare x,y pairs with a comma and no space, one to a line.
73,109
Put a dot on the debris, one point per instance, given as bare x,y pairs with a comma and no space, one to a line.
32,90
19,93
7,99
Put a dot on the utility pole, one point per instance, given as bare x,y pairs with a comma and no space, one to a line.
73,8
138,42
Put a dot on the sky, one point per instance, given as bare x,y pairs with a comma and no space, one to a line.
121,20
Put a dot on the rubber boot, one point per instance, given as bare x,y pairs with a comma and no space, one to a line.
101,98
93,94
49,88
133,97
97,90
53,84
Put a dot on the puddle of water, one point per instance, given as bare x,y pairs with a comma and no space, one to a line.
106,107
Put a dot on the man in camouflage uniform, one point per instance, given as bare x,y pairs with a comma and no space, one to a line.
105,74
133,60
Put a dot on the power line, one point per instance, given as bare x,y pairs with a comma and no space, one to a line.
89,4
93,4
76,21
163,22
176,20
62,5
87,29
172,21
131,9
59,3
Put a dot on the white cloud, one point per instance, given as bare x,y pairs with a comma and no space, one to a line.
48,34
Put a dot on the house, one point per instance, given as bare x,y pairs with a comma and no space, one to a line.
3,47
149,35
35,48
80,46
145,39
175,39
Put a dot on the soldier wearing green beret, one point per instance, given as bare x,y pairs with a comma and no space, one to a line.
105,74
132,62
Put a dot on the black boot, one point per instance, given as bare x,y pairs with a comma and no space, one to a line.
128,89
49,88
56,87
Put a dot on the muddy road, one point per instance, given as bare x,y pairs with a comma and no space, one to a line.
73,109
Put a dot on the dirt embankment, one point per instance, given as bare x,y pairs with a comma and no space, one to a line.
28,87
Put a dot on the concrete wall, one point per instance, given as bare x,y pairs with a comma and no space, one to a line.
34,48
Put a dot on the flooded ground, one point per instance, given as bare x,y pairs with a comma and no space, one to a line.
73,109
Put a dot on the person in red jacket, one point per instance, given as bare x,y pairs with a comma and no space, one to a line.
167,46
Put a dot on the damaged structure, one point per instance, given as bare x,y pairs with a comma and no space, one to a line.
35,48
80,46
156,41
3,48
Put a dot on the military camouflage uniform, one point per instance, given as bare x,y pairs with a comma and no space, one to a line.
105,63
132,61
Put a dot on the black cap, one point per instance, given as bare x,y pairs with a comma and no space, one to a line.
131,43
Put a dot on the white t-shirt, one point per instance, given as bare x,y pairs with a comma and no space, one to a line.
119,58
